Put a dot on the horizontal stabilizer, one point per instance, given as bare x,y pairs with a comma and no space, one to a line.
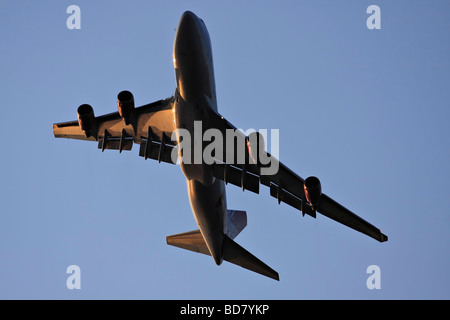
232,252
191,240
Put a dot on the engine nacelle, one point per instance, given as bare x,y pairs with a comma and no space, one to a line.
125,104
255,147
86,119
313,191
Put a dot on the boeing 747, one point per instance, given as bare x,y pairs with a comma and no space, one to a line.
167,131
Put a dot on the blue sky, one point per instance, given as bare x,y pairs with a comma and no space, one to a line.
364,110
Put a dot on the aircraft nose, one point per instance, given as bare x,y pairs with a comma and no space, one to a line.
188,17
188,23
187,38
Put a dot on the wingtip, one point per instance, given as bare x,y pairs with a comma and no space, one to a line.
277,277
54,128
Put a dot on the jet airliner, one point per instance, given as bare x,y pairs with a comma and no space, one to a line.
156,127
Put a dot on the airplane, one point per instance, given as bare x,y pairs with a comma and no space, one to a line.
158,126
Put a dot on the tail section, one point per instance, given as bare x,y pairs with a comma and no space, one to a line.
232,252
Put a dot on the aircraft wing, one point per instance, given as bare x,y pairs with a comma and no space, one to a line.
150,125
285,185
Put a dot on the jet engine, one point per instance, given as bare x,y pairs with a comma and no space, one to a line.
125,104
86,119
255,147
313,191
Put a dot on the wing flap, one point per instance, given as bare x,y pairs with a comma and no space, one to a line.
124,142
156,148
237,176
282,195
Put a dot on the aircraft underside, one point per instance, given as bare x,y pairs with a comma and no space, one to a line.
172,130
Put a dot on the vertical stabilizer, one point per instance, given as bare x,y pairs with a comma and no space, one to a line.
235,222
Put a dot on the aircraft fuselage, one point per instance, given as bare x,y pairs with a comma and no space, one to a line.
192,57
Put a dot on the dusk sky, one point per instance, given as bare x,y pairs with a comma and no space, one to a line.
365,110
